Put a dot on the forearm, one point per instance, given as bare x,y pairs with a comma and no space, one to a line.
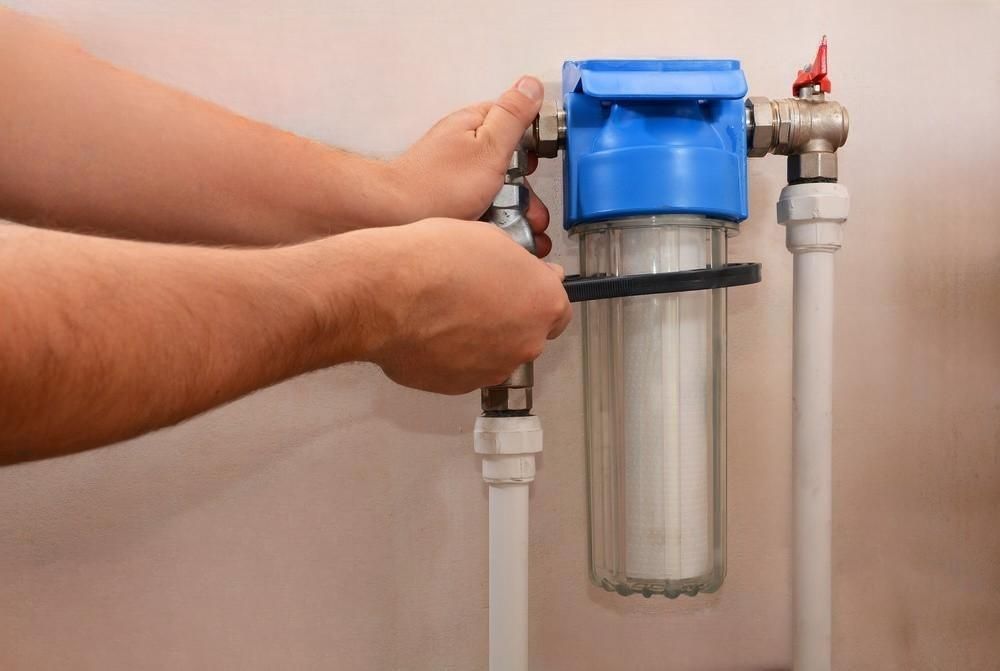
92,148
106,339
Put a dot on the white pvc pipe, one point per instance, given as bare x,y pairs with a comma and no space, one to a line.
508,446
509,577
813,215
812,441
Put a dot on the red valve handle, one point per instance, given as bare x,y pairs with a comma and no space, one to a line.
815,73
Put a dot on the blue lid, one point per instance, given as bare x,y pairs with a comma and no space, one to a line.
654,137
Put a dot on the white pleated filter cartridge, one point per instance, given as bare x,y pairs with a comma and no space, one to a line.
667,410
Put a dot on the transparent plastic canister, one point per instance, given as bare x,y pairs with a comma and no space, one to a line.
655,397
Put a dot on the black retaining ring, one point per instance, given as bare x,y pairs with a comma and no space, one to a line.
598,287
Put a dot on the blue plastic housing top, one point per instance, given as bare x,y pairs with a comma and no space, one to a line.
654,137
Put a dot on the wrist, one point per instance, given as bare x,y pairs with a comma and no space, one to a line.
399,196
350,285
419,189
333,191
360,192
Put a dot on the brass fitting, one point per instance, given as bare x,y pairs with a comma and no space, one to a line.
808,130
513,395
547,134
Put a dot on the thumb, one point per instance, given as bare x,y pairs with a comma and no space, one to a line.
507,119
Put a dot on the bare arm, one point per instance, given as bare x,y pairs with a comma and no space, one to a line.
92,148
104,339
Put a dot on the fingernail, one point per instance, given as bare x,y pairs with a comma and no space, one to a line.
530,87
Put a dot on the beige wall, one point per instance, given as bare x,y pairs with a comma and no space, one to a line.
338,522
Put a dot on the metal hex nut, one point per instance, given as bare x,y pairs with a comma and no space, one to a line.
518,166
762,136
812,166
512,196
547,130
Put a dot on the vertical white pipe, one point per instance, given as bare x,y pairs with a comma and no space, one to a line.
813,215
508,446
812,441
509,577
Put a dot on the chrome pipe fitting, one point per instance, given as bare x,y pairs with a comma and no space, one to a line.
808,129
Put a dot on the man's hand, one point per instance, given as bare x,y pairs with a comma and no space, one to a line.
112,338
456,305
457,168
173,168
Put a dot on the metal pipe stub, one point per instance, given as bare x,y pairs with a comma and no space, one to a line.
547,133
512,397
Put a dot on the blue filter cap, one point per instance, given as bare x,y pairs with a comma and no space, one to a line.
654,137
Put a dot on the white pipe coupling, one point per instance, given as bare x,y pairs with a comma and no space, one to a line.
813,215
508,446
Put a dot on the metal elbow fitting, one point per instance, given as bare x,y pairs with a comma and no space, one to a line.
510,205
508,214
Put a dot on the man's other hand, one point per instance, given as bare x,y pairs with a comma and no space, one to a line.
456,305
457,168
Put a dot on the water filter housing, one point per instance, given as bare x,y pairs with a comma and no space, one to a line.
655,181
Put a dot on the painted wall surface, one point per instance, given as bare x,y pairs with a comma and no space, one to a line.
339,522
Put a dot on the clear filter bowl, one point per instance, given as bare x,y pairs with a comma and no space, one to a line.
655,397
